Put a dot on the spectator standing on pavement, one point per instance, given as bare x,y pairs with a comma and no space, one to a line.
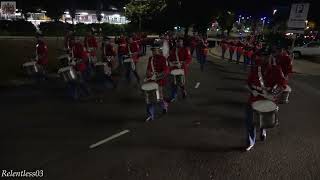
68,39
157,71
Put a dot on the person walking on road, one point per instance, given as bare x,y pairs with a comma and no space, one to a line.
41,57
224,47
203,50
179,58
157,71
262,80
232,48
239,49
131,59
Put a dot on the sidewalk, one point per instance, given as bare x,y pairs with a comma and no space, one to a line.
301,66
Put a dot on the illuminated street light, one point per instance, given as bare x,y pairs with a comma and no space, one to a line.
275,11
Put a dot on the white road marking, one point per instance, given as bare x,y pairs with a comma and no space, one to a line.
197,85
109,139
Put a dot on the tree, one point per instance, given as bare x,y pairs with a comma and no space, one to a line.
99,11
226,20
138,10
54,9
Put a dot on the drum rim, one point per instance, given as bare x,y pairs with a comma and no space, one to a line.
180,71
266,101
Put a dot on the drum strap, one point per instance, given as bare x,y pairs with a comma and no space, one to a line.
261,78
177,56
152,66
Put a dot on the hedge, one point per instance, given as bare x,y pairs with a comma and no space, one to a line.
17,28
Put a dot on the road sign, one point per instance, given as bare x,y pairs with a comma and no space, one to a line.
8,8
298,17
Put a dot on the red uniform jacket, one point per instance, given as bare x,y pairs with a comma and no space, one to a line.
184,56
42,53
68,41
232,47
122,46
203,45
91,42
80,53
108,50
271,77
286,64
134,49
159,66
224,45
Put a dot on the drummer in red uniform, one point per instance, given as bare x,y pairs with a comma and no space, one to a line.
122,46
181,57
91,44
285,61
80,57
224,47
41,57
157,70
262,80
131,53
68,39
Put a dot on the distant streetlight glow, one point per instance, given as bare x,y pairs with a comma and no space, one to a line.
275,11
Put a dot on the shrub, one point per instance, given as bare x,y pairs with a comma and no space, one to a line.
17,28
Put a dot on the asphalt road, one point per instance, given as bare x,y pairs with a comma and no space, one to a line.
42,130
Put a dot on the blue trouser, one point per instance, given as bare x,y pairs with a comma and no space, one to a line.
202,60
174,91
78,88
120,59
238,57
151,108
251,128
107,81
129,69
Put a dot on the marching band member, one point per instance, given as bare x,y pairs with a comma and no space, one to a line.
108,56
239,50
68,39
165,46
80,57
203,52
91,44
132,54
41,56
232,49
179,58
224,47
157,70
262,80
144,43
122,46
285,61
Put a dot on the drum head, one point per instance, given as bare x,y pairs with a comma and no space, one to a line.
177,72
66,56
68,68
100,64
264,106
150,86
31,63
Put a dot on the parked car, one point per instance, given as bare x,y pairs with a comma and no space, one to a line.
310,49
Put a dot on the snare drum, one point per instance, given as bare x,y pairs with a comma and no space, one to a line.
178,77
64,60
68,73
31,67
152,92
102,68
284,97
265,114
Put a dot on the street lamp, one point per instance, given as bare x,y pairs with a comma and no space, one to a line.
275,11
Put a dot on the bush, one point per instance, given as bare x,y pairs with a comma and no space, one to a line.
53,28
17,28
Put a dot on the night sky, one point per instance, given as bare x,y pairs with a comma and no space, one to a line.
253,7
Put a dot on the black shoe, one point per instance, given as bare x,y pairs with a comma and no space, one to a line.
184,95
164,111
263,137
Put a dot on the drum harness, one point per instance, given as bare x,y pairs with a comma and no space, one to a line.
133,66
155,76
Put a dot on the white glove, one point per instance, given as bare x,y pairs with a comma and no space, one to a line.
73,63
154,77
255,93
